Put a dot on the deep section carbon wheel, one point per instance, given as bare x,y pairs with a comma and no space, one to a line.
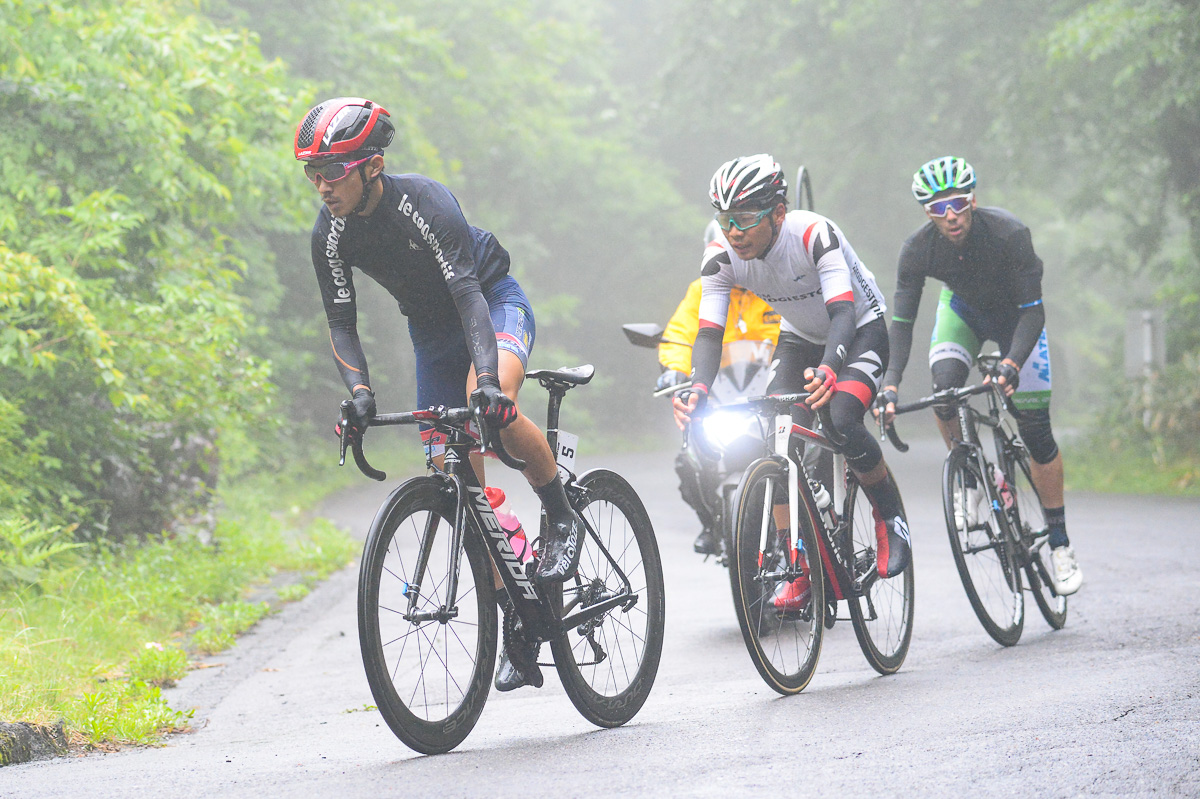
429,662
607,661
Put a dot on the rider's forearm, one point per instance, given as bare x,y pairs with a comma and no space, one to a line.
841,334
349,356
901,336
1029,329
479,332
706,354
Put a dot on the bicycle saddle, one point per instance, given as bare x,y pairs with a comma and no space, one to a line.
572,375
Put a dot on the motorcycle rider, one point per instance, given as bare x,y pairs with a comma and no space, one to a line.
749,319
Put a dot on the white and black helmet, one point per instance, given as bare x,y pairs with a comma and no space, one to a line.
750,182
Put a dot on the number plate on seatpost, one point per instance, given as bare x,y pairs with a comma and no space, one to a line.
567,446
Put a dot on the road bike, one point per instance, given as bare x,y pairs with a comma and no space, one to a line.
770,557
428,620
993,513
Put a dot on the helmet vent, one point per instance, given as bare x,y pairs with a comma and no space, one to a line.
308,128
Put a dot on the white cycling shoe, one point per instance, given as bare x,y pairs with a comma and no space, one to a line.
966,512
1065,571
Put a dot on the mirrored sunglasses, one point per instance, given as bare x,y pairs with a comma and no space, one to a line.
742,220
332,172
958,203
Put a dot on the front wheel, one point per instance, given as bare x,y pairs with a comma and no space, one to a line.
882,610
429,656
1030,520
779,592
607,662
982,550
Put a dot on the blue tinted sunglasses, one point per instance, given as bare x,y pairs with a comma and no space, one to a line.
958,203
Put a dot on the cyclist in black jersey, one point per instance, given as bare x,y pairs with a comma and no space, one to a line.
471,325
992,290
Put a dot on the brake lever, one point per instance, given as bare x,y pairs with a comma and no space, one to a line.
344,429
348,438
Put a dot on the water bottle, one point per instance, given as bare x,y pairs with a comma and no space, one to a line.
509,523
824,502
1002,488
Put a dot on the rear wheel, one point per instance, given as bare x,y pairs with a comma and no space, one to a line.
784,645
429,660
882,611
985,561
1030,520
608,662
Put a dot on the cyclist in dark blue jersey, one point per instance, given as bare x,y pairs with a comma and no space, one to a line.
992,290
471,325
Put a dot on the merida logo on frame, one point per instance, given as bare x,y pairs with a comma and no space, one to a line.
337,268
406,208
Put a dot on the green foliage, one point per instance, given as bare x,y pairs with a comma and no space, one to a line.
142,143
123,712
221,624
94,616
27,550
158,665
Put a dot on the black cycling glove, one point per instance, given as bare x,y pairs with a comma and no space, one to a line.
491,402
1010,373
670,379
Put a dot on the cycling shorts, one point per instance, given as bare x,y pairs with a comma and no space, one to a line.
959,333
443,361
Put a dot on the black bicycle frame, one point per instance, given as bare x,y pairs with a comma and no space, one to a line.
473,512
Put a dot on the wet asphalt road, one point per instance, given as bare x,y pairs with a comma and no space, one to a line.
1109,706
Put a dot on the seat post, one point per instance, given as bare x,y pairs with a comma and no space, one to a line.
556,391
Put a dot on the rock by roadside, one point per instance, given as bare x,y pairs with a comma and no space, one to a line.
23,742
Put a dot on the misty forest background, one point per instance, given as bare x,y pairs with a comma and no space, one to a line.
160,328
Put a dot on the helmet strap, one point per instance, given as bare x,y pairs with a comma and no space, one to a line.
774,234
366,193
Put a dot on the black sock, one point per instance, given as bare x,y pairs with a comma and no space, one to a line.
1056,522
885,496
554,499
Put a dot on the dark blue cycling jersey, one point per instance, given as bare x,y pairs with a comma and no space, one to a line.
418,246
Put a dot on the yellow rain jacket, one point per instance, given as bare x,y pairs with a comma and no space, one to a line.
750,319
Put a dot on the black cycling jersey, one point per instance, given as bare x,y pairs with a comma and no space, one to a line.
996,273
418,246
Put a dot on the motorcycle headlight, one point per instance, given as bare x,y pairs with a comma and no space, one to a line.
723,429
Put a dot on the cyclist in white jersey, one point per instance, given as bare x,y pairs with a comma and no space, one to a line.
832,340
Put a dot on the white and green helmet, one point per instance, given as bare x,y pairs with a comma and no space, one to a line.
940,174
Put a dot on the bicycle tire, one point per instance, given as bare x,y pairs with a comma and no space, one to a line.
784,647
1030,520
983,555
609,691
727,525
430,679
883,616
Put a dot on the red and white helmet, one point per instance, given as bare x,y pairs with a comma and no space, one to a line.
343,125
750,182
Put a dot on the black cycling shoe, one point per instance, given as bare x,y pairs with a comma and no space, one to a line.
559,555
707,542
510,678
894,543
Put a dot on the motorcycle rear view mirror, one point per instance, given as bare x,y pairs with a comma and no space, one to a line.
643,334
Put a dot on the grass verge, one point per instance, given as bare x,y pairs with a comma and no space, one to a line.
1116,467
92,638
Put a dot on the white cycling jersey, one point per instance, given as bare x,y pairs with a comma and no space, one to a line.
810,264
